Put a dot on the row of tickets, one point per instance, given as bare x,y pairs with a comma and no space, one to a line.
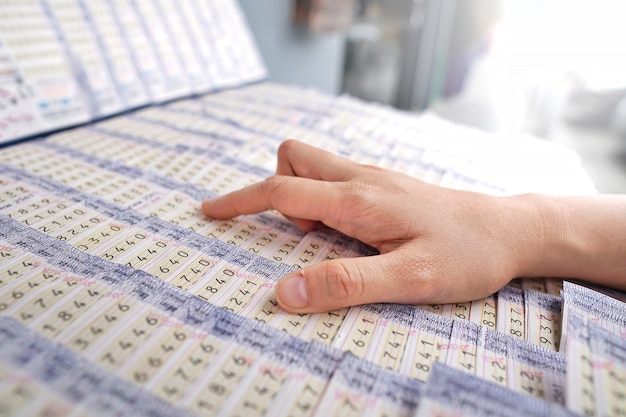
65,62
101,328
106,259
424,146
250,376
83,336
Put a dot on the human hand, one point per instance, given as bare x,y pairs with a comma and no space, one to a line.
436,245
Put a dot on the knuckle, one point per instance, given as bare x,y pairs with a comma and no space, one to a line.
343,284
274,188
357,194
286,147
272,184
360,202
374,169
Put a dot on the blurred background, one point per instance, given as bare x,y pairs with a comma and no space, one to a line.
552,69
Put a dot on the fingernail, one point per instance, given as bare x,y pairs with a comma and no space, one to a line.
291,291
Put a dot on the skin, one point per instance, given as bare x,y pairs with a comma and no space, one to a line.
436,245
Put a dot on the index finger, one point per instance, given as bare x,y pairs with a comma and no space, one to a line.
295,197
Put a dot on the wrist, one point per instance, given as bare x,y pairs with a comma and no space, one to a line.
569,237
538,235
577,237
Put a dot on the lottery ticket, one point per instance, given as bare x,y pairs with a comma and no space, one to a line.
596,368
543,319
43,93
484,311
536,371
605,311
511,313
462,348
450,392
83,47
491,356
428,333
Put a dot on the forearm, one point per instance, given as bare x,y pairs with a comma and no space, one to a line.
577,237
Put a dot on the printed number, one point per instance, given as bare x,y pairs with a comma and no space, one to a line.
545,341
64,315
389,355
422,367
359,343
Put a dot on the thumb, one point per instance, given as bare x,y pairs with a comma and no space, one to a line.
340,283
